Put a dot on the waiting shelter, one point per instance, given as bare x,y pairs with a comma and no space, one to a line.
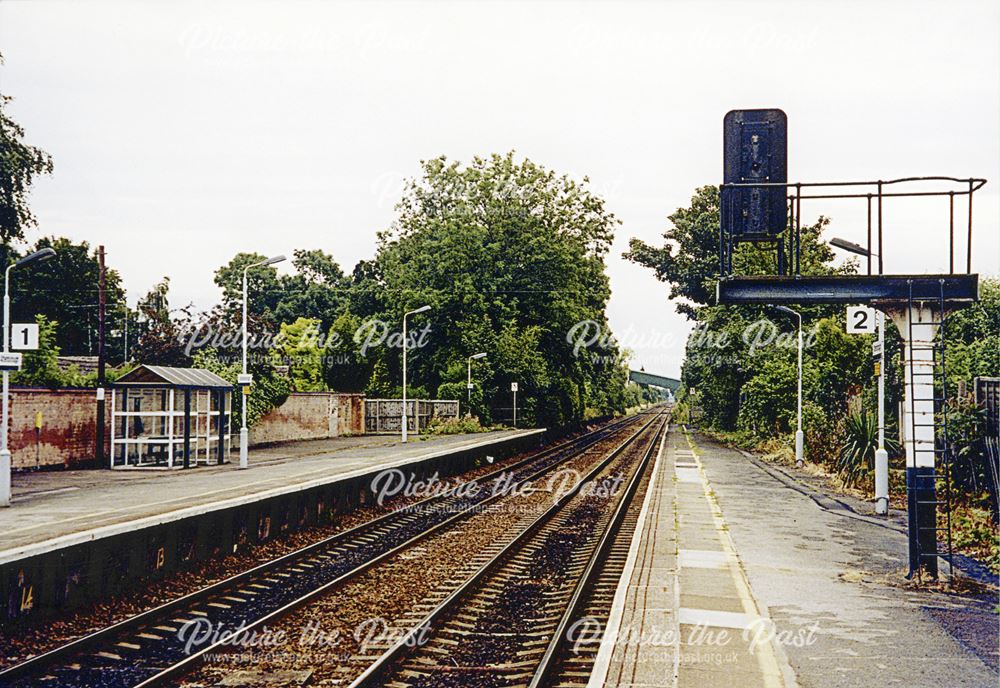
165,417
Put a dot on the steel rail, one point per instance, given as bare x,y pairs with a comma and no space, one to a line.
593,570
372,676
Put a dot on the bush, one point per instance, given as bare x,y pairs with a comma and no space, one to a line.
975,534
856,460
454,426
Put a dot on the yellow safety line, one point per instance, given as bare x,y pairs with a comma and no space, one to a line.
766,657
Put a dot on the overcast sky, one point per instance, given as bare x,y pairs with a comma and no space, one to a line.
184,133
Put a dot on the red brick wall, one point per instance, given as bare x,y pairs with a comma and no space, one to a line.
309,416
69,426
69,423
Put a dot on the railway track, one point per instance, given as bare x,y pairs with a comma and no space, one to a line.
147,650
507,624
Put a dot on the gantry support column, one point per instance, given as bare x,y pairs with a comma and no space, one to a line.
918,326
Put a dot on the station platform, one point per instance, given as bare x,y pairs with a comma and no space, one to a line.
57,509
684,613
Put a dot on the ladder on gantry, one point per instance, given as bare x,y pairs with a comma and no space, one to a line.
934,538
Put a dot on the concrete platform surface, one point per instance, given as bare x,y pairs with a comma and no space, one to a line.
58,509
684,611
835,590
735,579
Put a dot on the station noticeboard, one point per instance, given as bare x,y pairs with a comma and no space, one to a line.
755,150
10,361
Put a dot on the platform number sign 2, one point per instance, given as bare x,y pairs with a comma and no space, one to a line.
24,336
861,320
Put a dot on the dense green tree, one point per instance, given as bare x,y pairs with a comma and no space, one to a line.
300,347
346,369
65,290
688,260
316,289
510,256
741,360
379,386
264,289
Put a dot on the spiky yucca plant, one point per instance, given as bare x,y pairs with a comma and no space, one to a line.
857,453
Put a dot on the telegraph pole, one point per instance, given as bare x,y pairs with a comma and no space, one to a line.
101,322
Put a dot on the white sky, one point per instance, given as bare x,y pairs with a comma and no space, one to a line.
183,133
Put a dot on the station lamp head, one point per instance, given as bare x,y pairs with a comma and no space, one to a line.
43,254
273,259
422,309
850,246
479,355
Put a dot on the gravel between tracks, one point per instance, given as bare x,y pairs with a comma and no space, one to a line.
323,637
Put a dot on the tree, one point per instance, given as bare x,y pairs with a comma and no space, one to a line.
20,163
379,386
689,258
345,368
318,290
264,289
299,348
41,366
511,257
65,290
160,341
744,371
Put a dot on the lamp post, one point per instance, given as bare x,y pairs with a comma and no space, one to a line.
245,381
43,254
799,436
422,309
468,384
881,455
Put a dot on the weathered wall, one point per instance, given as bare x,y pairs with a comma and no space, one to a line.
69,423
310,416
69,427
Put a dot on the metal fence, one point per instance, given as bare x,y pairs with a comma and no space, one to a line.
987,390
385,416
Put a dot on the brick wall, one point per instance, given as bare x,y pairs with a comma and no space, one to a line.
69,423
69,427
311,415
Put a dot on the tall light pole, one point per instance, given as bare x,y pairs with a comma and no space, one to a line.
799,435
422,309
468,384
245,380
43,254
881,455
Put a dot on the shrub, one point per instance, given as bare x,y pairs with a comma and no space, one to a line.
857,454
454,426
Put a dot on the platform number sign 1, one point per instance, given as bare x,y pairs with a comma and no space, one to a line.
861,320
24,336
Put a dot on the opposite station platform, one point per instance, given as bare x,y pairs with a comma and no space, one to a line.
70,536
